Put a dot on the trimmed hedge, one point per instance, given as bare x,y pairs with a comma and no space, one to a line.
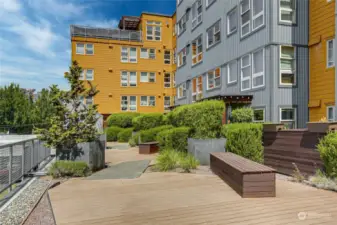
327,148
244,139
123,120
151,134
65,168
175,138
204,118
124,135
148,121
112,133
242,115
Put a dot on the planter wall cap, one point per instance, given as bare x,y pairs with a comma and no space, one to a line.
321,127
273,127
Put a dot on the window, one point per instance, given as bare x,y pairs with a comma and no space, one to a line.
182,90
147,77
213,34
89,49
152,53
196,13
287,65
245,72
330,54
144,53
258,69
197,89
258,13
82,75
232,21
245,17
182,24
167,102
209,2
129,55
213,79
80,49
89,100
232,72
288,11
148,101
197,50
288,117
90,74
330,113
128,79
258,115
153,30
152,101
182,57
128,103
175,56
167,80
167,57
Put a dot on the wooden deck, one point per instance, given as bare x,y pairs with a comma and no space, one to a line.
179,199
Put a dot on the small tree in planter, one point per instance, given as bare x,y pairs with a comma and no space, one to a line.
73,122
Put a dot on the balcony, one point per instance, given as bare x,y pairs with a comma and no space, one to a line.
105,33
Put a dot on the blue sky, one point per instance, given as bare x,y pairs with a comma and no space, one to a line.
34,34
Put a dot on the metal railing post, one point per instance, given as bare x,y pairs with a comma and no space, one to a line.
23,161
10,167
32,156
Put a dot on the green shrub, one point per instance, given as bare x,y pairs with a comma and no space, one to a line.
124,135
244,139
132,142
112,133
175,138
169,159
204,118
327,148
69,169
151,134
123,120
147,121
188,162
242,115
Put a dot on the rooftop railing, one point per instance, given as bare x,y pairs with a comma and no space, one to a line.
105,33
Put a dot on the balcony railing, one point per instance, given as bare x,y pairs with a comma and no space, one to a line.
105,33
19,155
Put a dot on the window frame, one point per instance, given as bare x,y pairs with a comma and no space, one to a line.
184,55
129,57
264,115
167,107
213,35
154,25
147,53
198,90
182,22
209,3
259,74
86,49
333,53
165,82
128,99
228,71
86,72
249,21
295,115
195,7
214,78
79,53
169,59
241,73
234,10
258,15
184,90
92,100
333,113
288,71
147,100
197,50
128,78
284,9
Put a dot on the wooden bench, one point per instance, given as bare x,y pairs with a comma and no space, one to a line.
249,179
148,147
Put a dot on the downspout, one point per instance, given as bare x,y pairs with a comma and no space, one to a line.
272,55
335,59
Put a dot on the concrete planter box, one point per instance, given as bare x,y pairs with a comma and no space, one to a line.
201,149
321,127
273,127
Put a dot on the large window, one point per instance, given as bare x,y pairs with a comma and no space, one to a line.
252,15
182,90
213,79
147,53
148,101
128,103
84,49
330,113
147,77
259,115
129,55
196,13
197,50
167,102
258,69
287,65
232,21
153,31
167,80
288,11
182,24
89,49
182,57
245,72
167,57
213,34
87,74
232,72
330,53
288,117
197,89
258,13
245,17
128,79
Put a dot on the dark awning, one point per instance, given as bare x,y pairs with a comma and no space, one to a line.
129,23
231,98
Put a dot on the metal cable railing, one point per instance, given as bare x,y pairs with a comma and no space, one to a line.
18,158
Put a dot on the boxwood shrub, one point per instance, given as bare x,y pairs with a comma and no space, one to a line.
121,119
242,115
151,134
112,133
65,168
327,148
244,139
175,138
204,118
124,135
147,121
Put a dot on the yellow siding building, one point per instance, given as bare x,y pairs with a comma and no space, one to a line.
132,66
322,69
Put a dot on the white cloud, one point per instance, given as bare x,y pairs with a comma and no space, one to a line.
10,5
100,23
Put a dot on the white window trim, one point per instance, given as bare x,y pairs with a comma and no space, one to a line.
148,77
153,35
166,107
147,52
285,9
197,51
260,73
264,115
213,27
183,20
333,113
83,49
93,73
228,72
93,50
183,86
208,88
195,19
257,16
128,76
295,115
147,100
128,105
247,23
288,71
234,10
327,53
241,74
183,52
170,62
197,90
129,55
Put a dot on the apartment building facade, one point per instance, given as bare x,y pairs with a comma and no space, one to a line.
245,52
132,66
322,95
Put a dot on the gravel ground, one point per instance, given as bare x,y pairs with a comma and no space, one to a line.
19,208
42,214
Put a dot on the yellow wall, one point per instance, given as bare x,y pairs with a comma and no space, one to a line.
107,56
322,79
